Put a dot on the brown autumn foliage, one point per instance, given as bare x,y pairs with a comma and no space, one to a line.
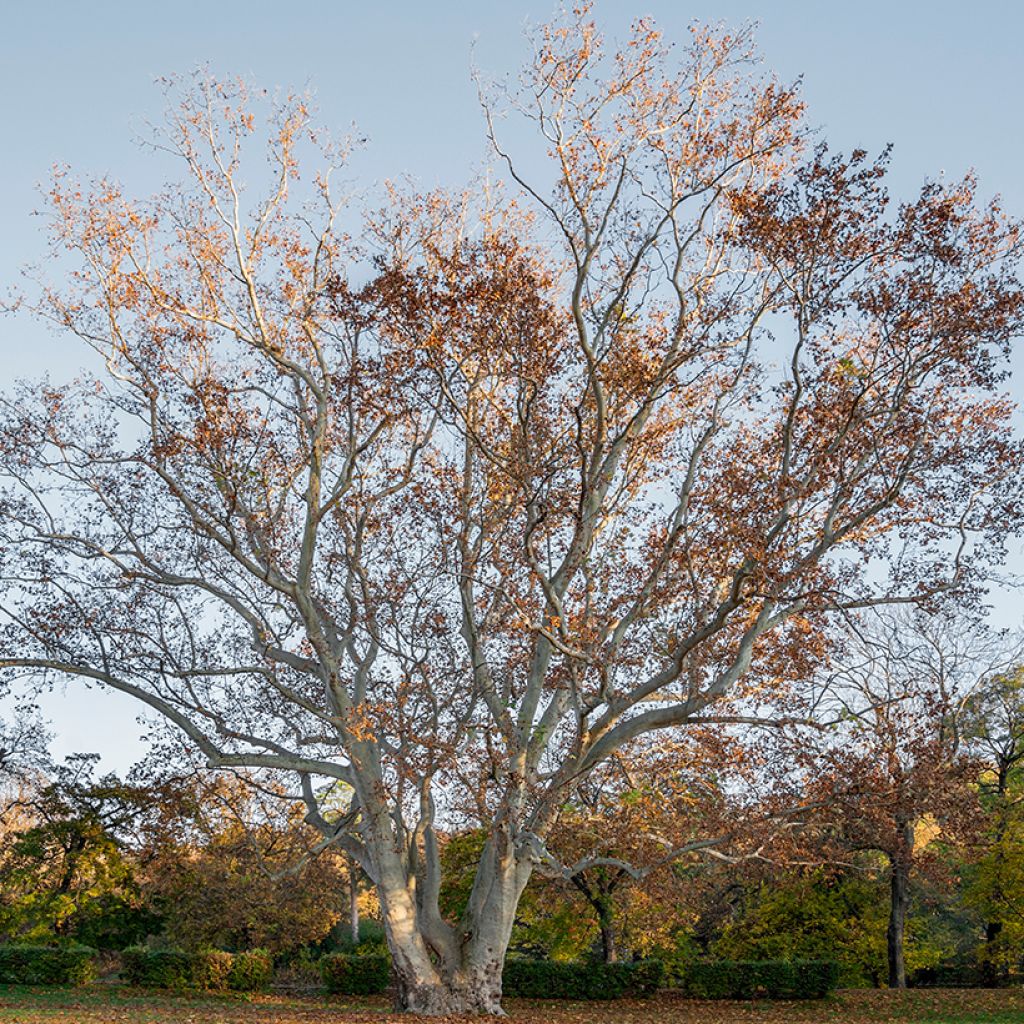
229,866
640,835
453,501
894,776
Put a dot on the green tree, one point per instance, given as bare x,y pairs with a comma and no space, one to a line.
993,724
66,871
824,915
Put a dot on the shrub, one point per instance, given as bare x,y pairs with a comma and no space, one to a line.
210,969
956,975
346,974
646,977
761,979
157,968
298,970
548,979
46,965
372,941
251,971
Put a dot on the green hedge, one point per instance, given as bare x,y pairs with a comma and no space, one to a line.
549,979
210,969
351,975
46,965
948,976
755,979
157,968
251,971
348,974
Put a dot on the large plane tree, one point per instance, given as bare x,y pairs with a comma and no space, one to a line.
450,500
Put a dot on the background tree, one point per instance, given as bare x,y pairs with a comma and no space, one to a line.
841,913
66,869
453,504
900,779
229,866
993,728
24,748
639,825
810,914
622,830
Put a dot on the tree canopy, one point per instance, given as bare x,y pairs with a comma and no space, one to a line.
452,499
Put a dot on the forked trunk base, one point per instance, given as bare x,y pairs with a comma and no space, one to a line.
478,992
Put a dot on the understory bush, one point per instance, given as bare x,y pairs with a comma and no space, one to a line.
157,968
954,975
549,979
46,965
355,975
251,971
761,979
211,969
372,941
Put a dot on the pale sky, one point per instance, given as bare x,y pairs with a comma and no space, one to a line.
943,81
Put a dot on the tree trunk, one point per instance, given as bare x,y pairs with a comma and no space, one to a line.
472,990
993,976
438,981
609,951
599,894
438,969
899,885
353,901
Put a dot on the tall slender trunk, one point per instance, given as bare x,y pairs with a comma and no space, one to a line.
353,900
992,974
599,893
895,935
609,951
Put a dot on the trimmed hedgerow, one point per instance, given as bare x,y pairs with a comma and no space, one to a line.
157,968
251,971
956,975
211,969
761,979
549,979
46,965
350,975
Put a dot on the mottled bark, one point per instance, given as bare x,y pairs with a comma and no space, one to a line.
473,990
443,969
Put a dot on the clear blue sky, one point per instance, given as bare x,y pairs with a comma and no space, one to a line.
944,81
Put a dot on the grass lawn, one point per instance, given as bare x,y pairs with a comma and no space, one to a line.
114,1005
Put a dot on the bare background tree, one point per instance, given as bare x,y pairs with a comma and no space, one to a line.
896,776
